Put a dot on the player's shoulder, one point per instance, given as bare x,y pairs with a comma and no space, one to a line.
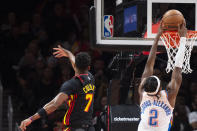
70,87
85,78
72,82
164,93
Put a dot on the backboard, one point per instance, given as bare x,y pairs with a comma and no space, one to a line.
135,22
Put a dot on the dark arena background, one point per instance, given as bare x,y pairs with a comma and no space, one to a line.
30,76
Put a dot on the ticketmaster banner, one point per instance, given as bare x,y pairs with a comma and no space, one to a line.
128,119
124,117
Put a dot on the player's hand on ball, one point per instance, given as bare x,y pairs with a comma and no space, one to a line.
182,30
160,30
25,123
60,52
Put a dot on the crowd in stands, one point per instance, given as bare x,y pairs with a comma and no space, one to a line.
35,75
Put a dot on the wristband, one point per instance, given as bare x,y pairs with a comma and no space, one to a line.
42,113
179,58
31,118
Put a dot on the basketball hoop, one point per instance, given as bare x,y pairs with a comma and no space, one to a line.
171,41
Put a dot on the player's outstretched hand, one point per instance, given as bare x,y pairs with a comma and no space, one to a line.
25,123
60,52
182,30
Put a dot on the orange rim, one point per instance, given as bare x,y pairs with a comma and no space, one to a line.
175,37
190,33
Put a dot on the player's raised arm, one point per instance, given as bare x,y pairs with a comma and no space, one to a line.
148,71
176,78
61,52
47,109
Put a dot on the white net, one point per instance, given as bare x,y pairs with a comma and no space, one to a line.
171,42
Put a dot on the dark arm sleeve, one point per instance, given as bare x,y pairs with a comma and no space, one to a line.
67,88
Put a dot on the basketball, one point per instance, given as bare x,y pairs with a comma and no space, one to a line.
171,19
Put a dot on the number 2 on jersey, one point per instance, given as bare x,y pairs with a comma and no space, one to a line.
89,97
153,118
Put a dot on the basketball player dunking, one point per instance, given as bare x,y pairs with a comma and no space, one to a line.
156,104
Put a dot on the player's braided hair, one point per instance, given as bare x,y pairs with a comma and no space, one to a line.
82,61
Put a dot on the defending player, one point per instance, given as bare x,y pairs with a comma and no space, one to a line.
156,104
78,92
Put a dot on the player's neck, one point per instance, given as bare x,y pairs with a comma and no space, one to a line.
83,72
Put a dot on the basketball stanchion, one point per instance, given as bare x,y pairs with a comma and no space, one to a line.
171,41
1,105
10,113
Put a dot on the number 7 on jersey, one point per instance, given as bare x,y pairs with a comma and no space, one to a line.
89,97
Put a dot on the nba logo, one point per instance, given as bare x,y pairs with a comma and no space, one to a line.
108,25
